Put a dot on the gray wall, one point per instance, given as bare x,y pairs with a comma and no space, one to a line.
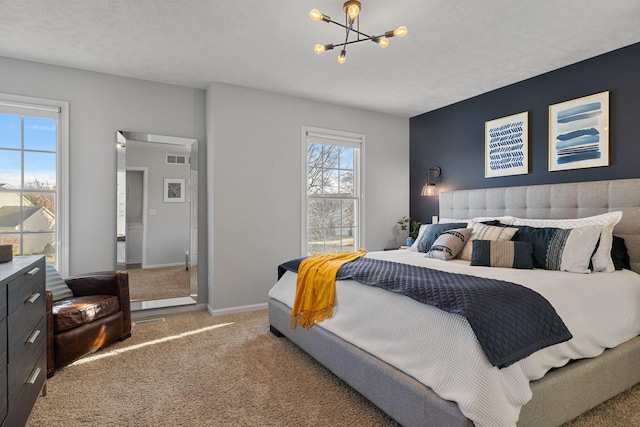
250,194
255,184
99,105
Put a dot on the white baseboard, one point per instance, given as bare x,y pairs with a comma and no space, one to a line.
166,310
241,309
172,264
194,307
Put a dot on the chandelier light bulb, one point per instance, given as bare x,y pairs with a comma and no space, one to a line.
383,42
353,10
342,58
315,15
429,190
318,49
401,31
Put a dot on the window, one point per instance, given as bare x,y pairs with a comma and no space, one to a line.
32,161
172,159
332,211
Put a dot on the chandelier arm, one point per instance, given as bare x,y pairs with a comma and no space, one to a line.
347,28
346,36
355,41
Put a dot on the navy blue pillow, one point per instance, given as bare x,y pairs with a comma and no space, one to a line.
567,249
502,253
540,237
433,231
619,254
495,223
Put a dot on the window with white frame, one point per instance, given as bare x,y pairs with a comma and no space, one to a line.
33,141
332,211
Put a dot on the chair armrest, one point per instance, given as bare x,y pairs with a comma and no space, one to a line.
105,283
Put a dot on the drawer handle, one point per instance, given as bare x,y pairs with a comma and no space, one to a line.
34,271
34,335
34,376
33,298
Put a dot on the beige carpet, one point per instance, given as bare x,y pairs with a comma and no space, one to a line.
198,370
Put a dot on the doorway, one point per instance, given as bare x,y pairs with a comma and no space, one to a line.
136,224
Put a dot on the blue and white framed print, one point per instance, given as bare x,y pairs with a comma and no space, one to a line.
579,133
507,146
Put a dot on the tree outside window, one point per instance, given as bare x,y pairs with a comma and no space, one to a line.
333,199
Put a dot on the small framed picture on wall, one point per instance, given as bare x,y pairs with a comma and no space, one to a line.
579,133
174,190
507,146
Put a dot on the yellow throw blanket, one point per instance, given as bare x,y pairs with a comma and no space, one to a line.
316,287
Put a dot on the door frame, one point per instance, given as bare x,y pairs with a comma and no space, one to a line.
145,173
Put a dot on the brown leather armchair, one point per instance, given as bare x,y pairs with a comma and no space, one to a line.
98,313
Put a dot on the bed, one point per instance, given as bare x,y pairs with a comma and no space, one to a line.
565,391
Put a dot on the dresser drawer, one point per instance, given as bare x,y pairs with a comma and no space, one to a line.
23,337
24,353
22,323
3,343
22,398
4,398
27,287
3,301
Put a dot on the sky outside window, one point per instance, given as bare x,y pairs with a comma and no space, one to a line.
40,150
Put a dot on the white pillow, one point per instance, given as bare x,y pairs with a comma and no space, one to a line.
601,259
506,220
578,249
450,220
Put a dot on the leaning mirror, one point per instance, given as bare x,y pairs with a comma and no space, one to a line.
157,218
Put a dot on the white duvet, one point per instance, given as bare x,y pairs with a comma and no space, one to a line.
439,349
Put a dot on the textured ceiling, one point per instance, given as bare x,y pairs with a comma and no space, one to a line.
455,49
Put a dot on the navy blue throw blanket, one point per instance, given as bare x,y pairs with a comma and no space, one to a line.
510,321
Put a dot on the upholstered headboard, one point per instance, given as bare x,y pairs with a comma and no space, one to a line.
555,201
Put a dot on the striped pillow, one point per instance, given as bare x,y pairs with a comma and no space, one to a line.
486,232
449,244
500,253
56,285
432,232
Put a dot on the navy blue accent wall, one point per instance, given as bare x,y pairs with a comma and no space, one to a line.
452,137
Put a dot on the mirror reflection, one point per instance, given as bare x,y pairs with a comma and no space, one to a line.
157,220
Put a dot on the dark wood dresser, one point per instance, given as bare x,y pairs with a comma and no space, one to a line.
23,356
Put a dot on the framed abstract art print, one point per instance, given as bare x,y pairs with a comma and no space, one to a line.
507,146
579,133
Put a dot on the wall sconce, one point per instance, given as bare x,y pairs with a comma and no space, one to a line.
429,188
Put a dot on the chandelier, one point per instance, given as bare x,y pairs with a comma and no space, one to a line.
352,16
